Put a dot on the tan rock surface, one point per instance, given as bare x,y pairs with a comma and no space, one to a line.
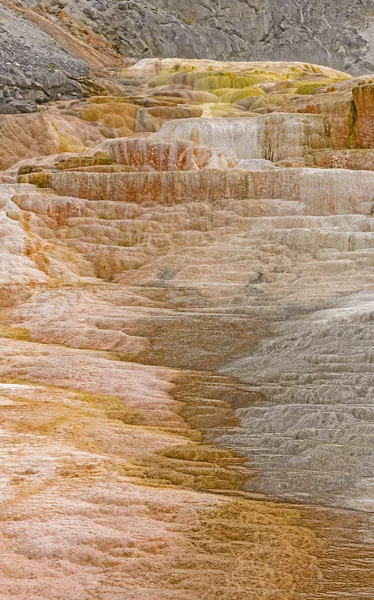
26,136
186,381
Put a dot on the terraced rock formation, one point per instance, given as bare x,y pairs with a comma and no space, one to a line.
186,370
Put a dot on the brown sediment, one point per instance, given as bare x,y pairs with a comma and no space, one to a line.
201,465
248,547
281,551
255,547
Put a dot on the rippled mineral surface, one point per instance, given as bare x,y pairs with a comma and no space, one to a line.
186,330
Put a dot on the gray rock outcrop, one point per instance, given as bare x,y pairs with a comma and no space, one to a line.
33,67
338,34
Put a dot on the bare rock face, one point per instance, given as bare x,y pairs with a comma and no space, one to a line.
363,97
159,156
33,70
339,34
345,159
42,59
186,337
28,136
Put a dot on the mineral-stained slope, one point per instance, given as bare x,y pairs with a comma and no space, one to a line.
186,333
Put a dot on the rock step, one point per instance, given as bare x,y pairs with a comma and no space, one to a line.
329,222
323,191
277,135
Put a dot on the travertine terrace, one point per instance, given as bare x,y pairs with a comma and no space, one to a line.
186,285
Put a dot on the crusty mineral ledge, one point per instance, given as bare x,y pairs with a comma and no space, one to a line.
320,191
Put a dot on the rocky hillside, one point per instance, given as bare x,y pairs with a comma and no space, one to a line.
49,50
44,59
339,34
